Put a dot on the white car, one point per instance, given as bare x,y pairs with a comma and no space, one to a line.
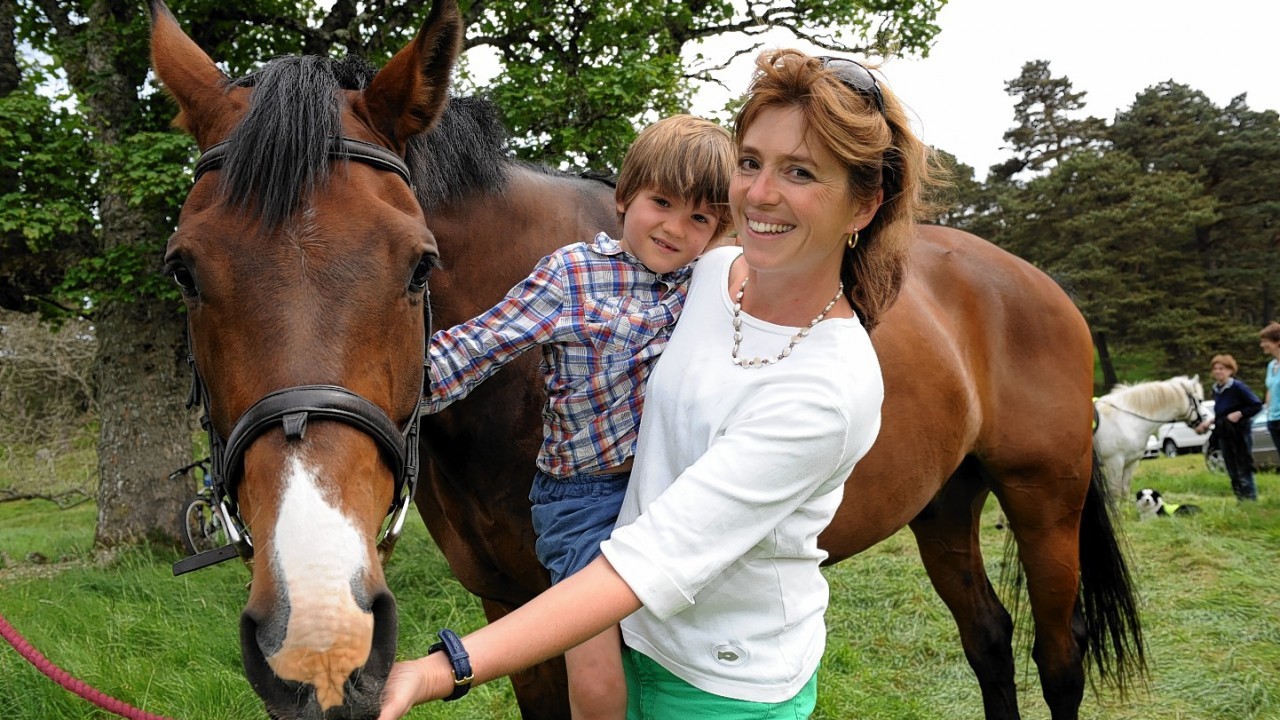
1175,438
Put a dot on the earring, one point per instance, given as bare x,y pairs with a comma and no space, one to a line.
851,239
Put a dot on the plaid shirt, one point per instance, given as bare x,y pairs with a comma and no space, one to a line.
601,319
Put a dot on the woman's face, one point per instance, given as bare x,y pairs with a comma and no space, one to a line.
1269,347
790,198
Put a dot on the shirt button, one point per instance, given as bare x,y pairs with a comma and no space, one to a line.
728,654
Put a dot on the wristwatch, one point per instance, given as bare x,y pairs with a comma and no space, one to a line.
451,644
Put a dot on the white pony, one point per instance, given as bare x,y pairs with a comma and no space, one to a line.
1130,413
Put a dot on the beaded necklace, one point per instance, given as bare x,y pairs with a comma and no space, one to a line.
758,362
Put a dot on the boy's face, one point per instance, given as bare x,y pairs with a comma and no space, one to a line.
666,233
1220,372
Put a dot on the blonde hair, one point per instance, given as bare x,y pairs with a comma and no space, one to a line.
683,156
1225,361
879,151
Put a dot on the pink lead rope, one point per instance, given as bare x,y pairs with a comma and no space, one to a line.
63,678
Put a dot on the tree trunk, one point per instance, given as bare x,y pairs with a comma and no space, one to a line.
1109,379
140,373
141,379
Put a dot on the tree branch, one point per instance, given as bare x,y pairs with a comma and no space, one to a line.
62,499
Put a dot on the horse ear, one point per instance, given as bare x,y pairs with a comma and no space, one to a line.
206,110
408,95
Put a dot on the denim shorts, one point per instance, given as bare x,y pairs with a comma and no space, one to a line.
572,516
654,693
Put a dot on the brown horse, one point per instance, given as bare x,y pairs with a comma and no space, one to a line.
303,254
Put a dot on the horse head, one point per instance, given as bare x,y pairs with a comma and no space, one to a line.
303,258
1195,395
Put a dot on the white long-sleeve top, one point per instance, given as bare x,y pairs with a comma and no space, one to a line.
736,472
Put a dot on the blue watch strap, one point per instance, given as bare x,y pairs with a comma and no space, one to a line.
451,644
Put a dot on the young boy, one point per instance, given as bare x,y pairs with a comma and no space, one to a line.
1234,405
602,312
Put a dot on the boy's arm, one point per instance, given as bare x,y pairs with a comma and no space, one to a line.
1252,405
463,356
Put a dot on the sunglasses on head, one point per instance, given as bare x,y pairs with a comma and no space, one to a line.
855,77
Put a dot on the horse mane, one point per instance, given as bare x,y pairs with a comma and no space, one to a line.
1150,398
279,152
468,152
465,152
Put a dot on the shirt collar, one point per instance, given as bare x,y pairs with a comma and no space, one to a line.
606,245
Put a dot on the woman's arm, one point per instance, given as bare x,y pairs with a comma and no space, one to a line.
571,612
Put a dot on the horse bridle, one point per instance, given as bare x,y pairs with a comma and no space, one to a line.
1193,417
292,408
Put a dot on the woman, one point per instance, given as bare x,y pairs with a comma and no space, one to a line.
764,399
1270,343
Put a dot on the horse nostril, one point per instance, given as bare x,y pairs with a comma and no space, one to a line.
386,625
279,696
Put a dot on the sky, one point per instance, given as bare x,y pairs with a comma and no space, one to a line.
1111,49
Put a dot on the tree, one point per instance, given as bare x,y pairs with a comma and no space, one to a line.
577,78
1121,242
1234,153
46,182
964,203
1046,132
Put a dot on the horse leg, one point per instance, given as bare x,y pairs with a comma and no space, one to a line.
1114,471
946,533
1130,468
1045,518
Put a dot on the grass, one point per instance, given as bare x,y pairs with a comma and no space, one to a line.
1209,585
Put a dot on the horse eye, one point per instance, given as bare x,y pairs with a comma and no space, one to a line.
185,280
422,273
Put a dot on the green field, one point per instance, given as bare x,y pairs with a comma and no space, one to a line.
1209,585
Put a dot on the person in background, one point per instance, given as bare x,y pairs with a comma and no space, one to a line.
1270,343
1234,406
601,312
767,395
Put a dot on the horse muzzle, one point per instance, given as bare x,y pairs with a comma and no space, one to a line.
326,673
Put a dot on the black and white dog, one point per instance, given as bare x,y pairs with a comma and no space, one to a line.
1150,505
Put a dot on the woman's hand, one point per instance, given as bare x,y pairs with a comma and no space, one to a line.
407,685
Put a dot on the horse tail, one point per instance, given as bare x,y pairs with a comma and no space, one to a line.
1113,632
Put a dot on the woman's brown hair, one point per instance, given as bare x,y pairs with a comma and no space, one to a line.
876,146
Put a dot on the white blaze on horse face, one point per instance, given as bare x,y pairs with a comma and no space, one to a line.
318,553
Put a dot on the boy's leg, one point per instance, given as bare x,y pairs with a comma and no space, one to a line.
1248,488
597,686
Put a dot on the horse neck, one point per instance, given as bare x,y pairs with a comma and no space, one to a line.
1158,401
491,241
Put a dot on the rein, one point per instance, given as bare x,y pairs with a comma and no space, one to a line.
292,408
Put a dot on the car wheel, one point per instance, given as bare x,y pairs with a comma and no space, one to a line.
1170,448
1214,462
